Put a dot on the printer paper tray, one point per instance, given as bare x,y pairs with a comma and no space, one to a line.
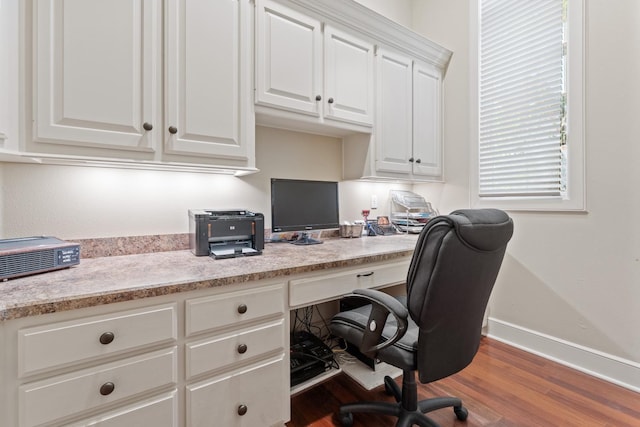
232,252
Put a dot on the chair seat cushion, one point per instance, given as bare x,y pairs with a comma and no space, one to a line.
350,325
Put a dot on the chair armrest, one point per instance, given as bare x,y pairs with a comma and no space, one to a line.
381,306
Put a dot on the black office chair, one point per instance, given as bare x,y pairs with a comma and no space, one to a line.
436,329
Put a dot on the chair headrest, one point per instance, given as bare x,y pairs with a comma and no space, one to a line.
483,229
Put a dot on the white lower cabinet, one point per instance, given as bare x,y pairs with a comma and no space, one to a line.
328,286
237,369
161,411
213,357
63,343
61,396
252,396
210,357
232,348
106,366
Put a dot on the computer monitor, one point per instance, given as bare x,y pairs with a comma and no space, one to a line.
303,205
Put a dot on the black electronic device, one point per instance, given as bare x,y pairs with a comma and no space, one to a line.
303,205
226,234
309,357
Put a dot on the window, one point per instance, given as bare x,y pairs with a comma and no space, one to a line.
528,105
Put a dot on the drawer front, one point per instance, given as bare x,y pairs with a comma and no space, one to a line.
261,389
161,411
220,351
384,275
65,395
233,308
59,344
321,288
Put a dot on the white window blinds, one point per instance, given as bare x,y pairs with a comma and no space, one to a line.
521,99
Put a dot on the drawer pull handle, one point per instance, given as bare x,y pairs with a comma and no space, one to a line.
242,409
107,338
365,274
107,388
242,308
242,348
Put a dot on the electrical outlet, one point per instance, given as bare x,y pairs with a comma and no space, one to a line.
374,201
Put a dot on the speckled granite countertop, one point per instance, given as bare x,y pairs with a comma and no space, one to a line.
113,279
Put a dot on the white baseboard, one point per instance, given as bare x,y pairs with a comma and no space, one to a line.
622,372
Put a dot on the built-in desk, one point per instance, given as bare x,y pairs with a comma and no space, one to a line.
169,338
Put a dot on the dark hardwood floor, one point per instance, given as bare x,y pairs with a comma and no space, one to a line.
503,386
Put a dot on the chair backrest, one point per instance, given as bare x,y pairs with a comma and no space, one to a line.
450,279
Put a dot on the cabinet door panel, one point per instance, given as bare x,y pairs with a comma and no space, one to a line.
427,137
65,395
61,344
234,308
393,112
159,411
207,93
223,350
209,403
96,81
348,77
324,287
289,59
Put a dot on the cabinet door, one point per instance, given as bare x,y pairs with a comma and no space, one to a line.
54,398
160,411
257,395
97,72
208,83
427,121
348,65
393,112
289,59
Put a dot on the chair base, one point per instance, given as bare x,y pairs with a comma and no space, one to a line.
408,410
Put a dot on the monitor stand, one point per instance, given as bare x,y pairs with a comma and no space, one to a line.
304,239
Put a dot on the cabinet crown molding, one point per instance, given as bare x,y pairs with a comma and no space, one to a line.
353,15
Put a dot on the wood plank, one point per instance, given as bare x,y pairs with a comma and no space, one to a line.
503,386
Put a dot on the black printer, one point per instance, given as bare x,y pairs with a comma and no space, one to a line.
226,234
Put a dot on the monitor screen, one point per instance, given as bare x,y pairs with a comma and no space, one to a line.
298,205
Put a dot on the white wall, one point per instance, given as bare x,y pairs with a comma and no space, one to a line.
433,19
81,202
399,11
570,284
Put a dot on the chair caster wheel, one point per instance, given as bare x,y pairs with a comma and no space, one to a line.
346,419
461,412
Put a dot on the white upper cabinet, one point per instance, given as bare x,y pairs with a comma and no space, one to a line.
289,59
408,120
9,76
427,121
307,66
348,77
133,81
338,68
393,129
407,133
95,81
208,78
